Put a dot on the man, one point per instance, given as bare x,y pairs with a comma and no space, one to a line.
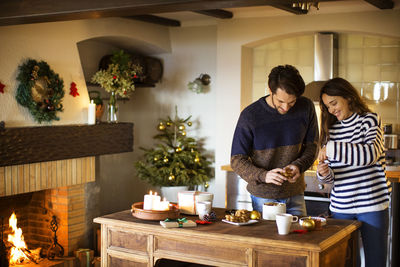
275,141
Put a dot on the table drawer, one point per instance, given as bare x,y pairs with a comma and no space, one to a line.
219,251
127,240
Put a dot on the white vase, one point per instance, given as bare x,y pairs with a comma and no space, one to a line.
171,192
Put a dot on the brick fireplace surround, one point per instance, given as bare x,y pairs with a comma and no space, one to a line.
36,192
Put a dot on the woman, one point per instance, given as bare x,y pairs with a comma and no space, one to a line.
352,157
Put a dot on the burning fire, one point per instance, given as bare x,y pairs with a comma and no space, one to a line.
17,254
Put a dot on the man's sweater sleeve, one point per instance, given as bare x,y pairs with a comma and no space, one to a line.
240,156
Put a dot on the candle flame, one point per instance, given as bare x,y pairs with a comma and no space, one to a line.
151,192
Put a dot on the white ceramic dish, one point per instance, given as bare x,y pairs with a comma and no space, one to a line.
238,223
317,226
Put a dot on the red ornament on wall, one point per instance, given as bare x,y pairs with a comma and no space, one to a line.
73,90
2,88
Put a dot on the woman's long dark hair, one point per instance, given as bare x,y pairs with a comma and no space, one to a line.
338,87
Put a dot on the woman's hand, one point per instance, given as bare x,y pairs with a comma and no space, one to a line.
275,177
323,168
322,154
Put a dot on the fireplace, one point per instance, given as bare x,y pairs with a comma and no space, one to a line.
55,188
50,171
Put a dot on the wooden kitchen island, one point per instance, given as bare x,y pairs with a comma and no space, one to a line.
128,241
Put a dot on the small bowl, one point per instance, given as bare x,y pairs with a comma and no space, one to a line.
311,223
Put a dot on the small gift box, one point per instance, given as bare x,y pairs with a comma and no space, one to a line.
85,257
178,223
187,201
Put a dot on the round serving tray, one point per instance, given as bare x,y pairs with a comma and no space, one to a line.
154,215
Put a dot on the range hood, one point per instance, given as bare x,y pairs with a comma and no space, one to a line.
325,63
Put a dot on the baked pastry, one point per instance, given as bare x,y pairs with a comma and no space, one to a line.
288,173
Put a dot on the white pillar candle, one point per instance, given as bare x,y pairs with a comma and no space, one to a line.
148,201
156,201
92,113
164,205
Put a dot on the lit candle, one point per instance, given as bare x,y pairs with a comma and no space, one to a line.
148,201
92,113
164,205
156,201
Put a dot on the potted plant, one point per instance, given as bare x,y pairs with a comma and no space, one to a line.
118,80
177,160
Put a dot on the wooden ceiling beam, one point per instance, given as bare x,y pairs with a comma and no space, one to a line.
156,20
14,12
381,4
216,13
293,10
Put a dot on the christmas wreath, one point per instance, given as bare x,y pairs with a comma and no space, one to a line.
40,90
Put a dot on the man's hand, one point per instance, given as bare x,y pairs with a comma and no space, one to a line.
275,177
294,172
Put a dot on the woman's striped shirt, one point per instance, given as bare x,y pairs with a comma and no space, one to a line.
356,156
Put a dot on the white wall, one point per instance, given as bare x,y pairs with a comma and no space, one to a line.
214,49
56,43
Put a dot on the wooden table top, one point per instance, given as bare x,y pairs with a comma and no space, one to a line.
261,233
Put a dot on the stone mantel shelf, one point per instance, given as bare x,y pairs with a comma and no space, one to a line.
23,145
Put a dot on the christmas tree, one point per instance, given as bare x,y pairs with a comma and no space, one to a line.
177,160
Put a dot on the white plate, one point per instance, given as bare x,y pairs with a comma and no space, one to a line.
239,223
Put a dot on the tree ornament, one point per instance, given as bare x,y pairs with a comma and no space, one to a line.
206,185
169,123
2,88
161,126
189,123
41,90
73,90
183,133
181,127
171,177
165,160
178,149
155,158
197,159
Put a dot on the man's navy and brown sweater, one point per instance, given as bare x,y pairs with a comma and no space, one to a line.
264,140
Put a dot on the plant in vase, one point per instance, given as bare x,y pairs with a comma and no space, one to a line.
177,160
118,80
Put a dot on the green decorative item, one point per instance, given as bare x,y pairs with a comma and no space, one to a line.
118,80
119,75
177,160
40,90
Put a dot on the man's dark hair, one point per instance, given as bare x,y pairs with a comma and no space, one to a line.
287,78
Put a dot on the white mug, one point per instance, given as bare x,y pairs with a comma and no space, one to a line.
203,208
270,209
284,221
